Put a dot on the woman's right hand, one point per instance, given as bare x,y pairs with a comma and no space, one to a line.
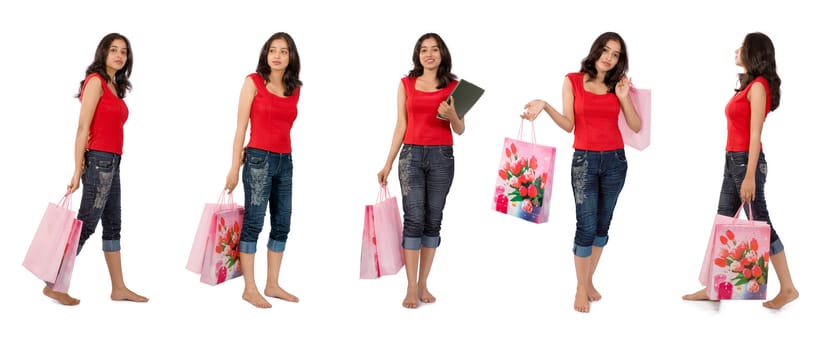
74,183
533,109
231,179
382,176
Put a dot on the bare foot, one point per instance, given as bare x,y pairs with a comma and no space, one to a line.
411,298
62,298
698,295
582,302
784,297
425,296
593,295
254,298
127,295
278,292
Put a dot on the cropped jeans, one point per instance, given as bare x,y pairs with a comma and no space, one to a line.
425,176
597,178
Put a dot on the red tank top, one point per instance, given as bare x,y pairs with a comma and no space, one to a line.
272,117
424,128
739,117
107,126
596,118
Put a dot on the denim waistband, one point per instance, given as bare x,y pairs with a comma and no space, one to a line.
103,154
265,152
618,150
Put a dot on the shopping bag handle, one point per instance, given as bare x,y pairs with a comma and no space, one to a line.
521,130
226,199
383,193
66,201
737,215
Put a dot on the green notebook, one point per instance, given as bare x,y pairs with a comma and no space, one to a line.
465,96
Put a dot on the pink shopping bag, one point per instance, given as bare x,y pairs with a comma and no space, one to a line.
214,252
53,238
736,262
524,179
642,103
381,252
222,255
68,262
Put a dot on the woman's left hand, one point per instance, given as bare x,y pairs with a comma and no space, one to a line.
446,110
747,190
623,87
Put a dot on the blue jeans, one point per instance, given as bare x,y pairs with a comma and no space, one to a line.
733,173
598,178
267,179
425,176
101,199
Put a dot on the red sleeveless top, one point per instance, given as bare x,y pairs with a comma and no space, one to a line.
596,118
272,117
107,126
739,117
424,128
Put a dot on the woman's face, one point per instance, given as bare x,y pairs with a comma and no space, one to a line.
429,54
609,57
278,56
738,58
117,55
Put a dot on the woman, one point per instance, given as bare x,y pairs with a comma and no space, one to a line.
744,173
592,99
98,150
269,98
426,161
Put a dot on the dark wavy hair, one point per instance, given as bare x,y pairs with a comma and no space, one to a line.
99,65
588,64
444,74
291,79
758,57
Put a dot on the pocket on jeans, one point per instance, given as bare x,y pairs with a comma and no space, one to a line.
620,156
447,152
406,150
579,159
102,165
739,159
255,161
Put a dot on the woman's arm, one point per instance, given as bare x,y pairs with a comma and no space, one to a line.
631,116
757,103
92,93
244,107
566,120
398,135
447,110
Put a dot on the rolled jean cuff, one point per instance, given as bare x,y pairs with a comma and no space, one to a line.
582,251
600,241
430,242
247,247
111,245
776,247
276,246
411,243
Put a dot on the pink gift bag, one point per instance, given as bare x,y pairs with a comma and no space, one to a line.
736,262
55,243
68,262
381,252
524,179
642,103
214,252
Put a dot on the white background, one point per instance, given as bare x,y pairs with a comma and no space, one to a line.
500,282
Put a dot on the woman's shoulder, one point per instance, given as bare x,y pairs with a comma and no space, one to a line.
94,76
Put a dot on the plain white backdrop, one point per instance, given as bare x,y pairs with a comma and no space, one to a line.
501,283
